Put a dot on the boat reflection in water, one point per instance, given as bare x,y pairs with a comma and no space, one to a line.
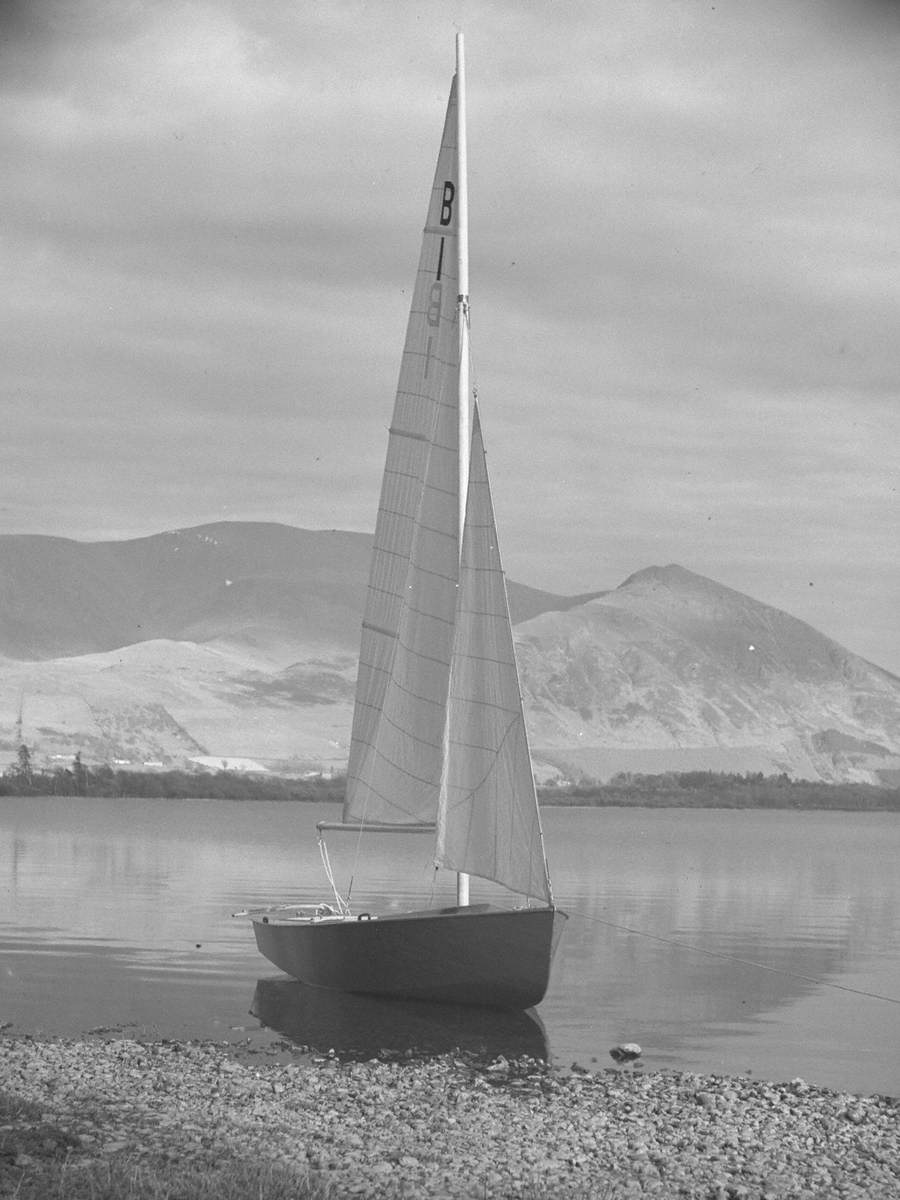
361,1027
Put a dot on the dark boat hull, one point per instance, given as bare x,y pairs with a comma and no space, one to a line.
479,954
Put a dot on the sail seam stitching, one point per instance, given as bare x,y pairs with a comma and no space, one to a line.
407,692
379,629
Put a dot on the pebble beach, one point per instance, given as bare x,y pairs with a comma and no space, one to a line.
447,1127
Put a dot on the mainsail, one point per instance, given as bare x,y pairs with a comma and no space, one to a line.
488,824
399,717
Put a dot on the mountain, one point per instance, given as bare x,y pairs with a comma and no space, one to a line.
251,583
60,598
239,640
673,671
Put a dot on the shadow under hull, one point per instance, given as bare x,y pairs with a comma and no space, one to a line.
479,954
364,1027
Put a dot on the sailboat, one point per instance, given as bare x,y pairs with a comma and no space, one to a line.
438,745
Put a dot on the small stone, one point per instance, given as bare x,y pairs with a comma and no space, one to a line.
626,1052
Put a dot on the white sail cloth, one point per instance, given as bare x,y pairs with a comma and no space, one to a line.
398,724
488,822
433,742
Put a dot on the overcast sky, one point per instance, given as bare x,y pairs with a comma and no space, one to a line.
685,241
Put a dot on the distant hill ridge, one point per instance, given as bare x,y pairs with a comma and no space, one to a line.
239,640
60,598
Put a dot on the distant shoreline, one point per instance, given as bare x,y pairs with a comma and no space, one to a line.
709,790
693,789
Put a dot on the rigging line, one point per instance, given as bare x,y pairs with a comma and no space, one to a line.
343,906
746,962
473,369
359,837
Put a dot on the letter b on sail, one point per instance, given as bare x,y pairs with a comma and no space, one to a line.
447,202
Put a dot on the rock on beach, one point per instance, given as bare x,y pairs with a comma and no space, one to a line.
446,1127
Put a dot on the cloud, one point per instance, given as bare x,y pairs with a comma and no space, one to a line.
684,252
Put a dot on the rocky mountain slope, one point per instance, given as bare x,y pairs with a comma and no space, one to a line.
239,640
703,676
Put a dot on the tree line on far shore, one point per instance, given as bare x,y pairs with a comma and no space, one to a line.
20,779
713,789
688,789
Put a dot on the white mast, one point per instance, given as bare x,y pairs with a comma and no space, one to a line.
462,243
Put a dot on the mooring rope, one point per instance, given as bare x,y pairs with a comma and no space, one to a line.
746,962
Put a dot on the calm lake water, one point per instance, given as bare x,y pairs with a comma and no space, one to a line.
117,914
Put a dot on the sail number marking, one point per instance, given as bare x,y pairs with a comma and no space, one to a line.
433,311
447,202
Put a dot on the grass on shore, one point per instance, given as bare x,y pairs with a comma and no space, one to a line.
130,1181
40,1161
126,1179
